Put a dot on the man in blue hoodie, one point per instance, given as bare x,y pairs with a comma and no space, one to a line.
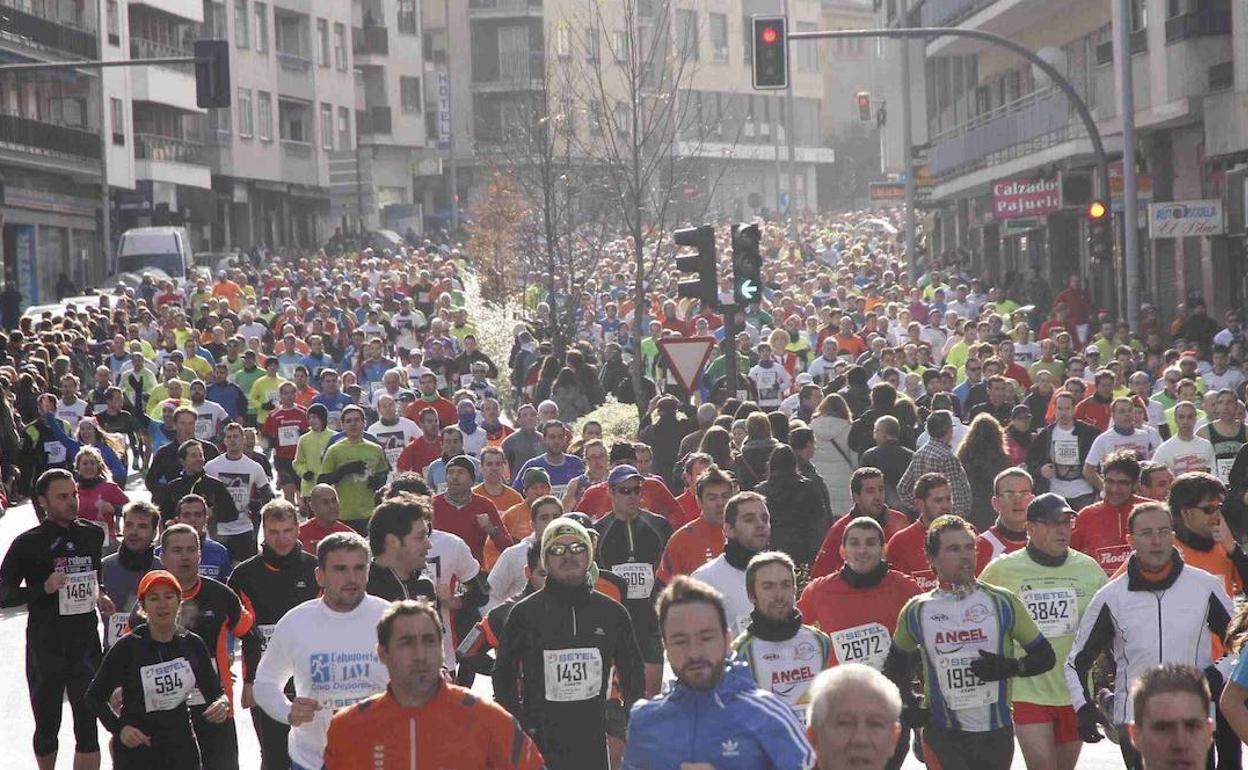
714,715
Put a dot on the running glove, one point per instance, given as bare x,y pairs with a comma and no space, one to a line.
993,668
1089,716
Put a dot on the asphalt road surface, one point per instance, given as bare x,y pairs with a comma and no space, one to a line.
18,726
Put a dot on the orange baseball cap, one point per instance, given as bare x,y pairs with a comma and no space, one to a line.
155,578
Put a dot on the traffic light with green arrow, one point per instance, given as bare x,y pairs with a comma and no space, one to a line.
747,264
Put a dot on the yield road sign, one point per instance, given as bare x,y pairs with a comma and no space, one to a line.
686,357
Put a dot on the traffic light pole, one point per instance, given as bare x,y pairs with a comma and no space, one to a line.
95,64
1085,115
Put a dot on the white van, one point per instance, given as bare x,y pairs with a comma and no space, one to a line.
164,248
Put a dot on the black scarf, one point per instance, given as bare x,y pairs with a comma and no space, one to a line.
90,483
566,594
737,555
276,560
136,561
774,630
1010,534
864,579
1043,559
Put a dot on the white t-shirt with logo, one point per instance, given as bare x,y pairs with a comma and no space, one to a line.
1185,456
242,478
450,564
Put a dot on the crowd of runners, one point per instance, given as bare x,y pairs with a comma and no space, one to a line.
943,515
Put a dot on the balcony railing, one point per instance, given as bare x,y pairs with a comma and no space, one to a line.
948,13
168,148
1024,125
514,68
1204,21
293,62
503,5
49,137
296,149
374,120
142,48
47,33
370,41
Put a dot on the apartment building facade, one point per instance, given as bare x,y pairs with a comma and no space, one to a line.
732,142
994,127
52,157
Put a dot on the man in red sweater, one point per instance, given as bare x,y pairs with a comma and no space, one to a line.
867,487
1097,409
462,512
1101,529
428,397
284,426
933,497
426,447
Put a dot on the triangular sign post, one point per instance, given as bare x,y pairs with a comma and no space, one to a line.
686,357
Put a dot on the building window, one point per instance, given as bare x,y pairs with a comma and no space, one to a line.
592,51
409,89
408,23
619,46
327,126
246,121
264,108
340,47
262,28
563,40
119,120
344,128
718,24
687,34
322,42
242,35
214,20
807,51
1139,15
113,21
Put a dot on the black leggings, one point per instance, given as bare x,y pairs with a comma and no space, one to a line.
962,750
52,673
218,743
274,751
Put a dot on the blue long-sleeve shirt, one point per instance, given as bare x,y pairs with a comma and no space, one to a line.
735,726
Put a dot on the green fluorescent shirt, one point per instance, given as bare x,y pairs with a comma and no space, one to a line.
355,496
1055,597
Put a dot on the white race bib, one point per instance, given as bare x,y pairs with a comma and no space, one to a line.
167,685
79,593
573,675
115,627
288,435
1055,610
55,451
203,427
266,633
639,576
1065,451
867,644
959,685
335,420
1224,468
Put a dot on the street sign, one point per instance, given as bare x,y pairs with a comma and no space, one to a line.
689,190
686,357
749,290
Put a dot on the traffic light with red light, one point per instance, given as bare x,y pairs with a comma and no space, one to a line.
864,106
1100,231
771,52
703,283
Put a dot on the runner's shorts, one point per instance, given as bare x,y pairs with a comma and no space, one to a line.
1065,725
